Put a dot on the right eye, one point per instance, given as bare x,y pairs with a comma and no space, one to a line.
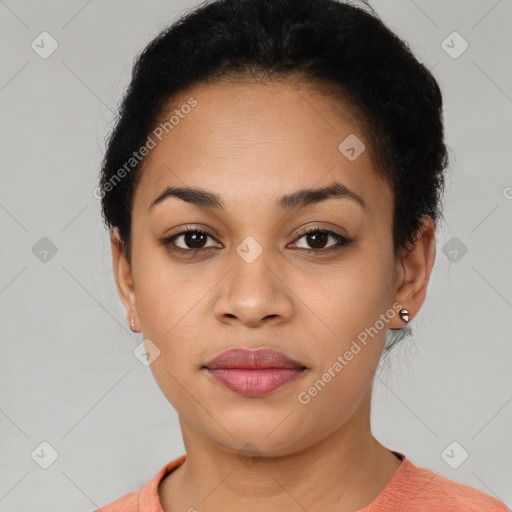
188,241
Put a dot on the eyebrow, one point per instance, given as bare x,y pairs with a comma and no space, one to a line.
299,199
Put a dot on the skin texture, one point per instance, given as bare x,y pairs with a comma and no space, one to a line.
251,143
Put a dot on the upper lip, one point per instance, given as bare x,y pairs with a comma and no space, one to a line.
259,358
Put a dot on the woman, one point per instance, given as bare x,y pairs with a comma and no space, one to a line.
272,188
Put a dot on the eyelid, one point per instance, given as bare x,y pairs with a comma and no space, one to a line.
196,227
212,233
316,227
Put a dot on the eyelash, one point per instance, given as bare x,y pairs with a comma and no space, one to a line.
342,241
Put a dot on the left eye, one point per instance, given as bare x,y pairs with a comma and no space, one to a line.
319,237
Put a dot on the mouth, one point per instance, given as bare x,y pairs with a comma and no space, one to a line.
253,372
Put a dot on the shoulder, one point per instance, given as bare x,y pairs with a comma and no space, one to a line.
127,503
439,490
417,489
146,498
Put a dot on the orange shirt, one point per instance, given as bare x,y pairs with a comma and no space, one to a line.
411,489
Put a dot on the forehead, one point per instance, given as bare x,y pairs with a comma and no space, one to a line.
257,141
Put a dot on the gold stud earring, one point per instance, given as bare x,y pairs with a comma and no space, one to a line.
132,324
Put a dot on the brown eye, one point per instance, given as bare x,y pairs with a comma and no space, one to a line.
188,241
193,239
317,239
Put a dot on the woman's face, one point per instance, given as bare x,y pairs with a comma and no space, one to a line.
256,280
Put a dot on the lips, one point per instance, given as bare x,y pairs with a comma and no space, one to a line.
253,372
254,359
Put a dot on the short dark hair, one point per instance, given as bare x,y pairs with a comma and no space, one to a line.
338,46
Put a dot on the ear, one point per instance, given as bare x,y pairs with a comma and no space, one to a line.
413,271
123,276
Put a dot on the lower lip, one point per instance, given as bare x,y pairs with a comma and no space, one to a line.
256,382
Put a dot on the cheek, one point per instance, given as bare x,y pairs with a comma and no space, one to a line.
351,297
166,294
355,309
166,305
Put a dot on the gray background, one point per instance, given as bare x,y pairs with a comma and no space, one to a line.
67,373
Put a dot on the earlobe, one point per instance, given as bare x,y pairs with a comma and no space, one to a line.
416,266
123,277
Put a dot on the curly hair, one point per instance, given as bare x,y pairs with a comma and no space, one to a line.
343,48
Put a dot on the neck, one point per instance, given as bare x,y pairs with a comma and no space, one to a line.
344,471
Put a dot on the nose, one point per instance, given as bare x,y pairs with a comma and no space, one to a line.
254,293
